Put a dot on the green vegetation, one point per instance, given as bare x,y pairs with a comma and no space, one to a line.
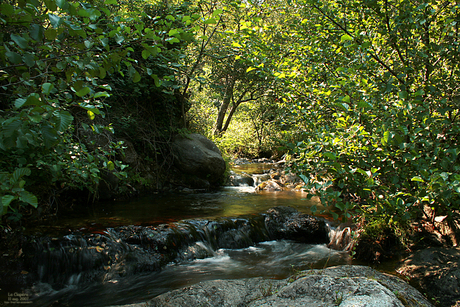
67,68
362,96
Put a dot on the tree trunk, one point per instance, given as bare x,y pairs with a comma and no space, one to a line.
229,117
224,106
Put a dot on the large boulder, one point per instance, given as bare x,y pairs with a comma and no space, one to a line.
436,271
343,286
288,223
198,160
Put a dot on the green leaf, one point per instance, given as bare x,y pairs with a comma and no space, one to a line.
7,9
29,198
172,40
47,88
64,119
330,155
18,173
145,54
14,57
55,20
89,107
32,100
346,38
385,138
101,94
136,77
110,2
173,32
156,80
6,200
84,91
20,41
217,12
37,32
62,4
83,13
110,166
49,135
11,127
417,178
364,104
29,59
210,21
403,94
250,69
51,5
50,34
119,38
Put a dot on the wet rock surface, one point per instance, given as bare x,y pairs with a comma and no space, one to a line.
82,258
343,286
288,223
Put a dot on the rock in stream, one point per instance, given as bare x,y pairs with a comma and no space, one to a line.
343,286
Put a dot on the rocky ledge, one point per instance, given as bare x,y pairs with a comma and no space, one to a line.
343,286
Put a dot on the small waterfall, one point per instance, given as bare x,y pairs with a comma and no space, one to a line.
82,258
341,237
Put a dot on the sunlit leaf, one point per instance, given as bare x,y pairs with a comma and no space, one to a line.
345,38
110,166
417,178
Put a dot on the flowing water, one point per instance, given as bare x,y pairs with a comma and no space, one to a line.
270,259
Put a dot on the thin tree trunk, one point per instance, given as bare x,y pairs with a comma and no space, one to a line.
224,106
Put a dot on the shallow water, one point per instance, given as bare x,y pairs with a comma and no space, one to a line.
273,259
172,207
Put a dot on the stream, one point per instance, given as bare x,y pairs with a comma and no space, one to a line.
270,259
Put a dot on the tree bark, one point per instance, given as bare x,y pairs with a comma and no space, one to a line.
230,81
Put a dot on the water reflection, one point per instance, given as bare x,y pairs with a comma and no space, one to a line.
172,207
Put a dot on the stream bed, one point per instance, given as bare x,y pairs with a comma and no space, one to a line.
275,259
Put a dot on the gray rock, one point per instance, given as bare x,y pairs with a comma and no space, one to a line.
436,272
199,160
288,223
241,180
343,286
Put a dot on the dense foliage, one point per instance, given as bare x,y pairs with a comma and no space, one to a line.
362,96
60,59
381,84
